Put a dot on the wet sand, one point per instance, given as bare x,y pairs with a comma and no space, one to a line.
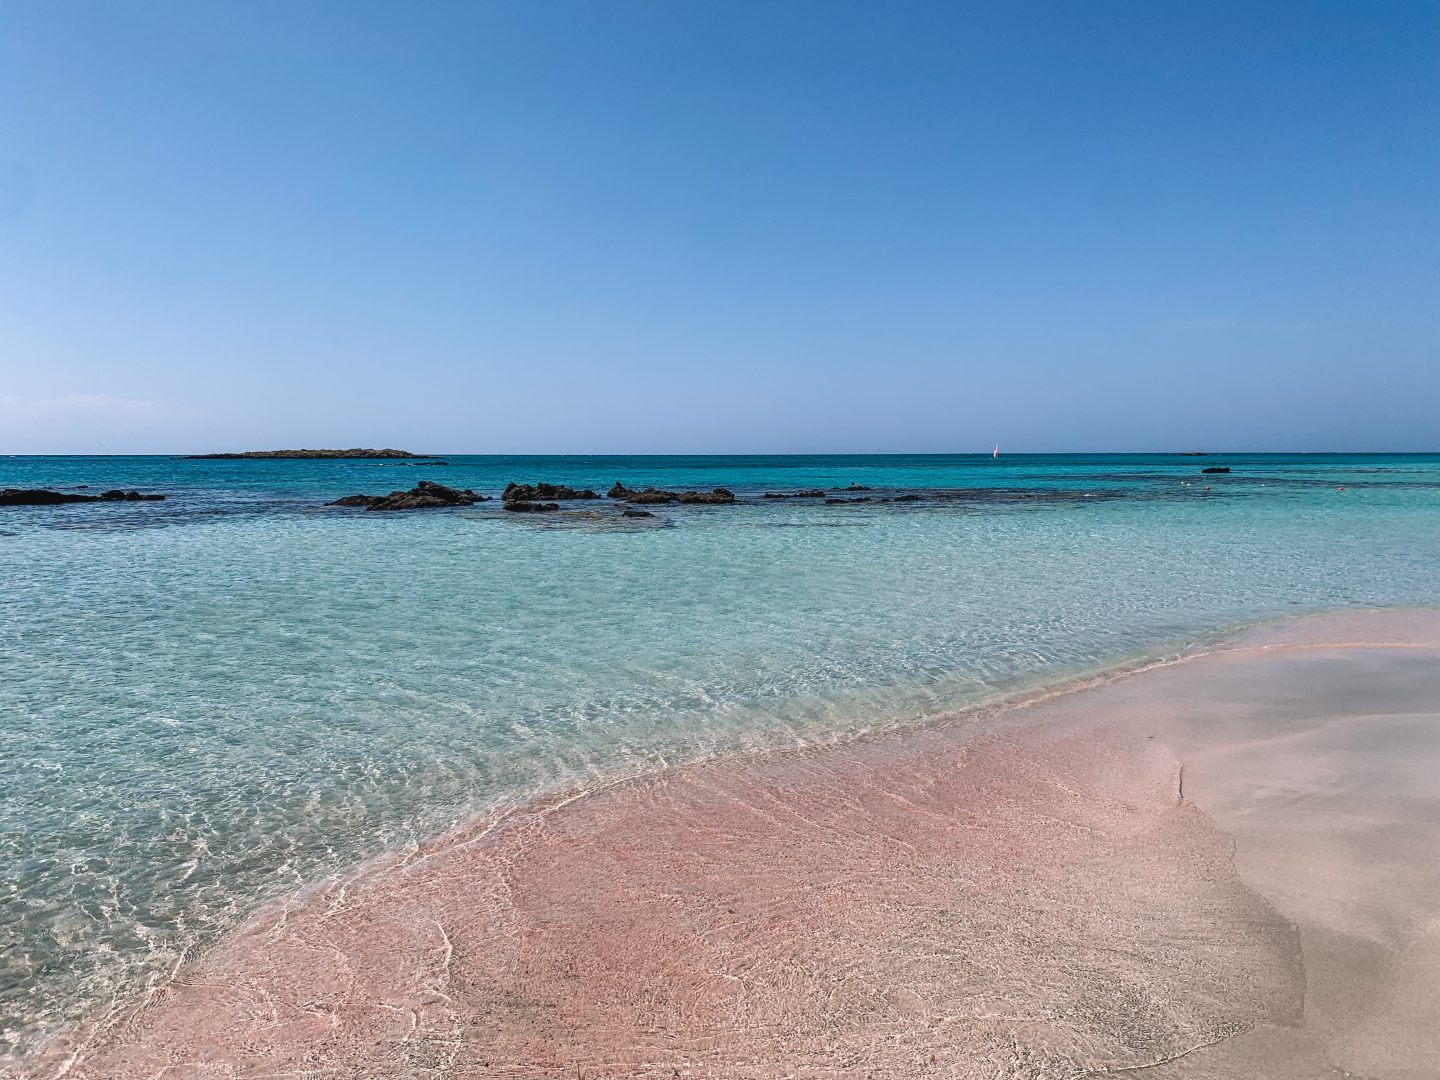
1222,867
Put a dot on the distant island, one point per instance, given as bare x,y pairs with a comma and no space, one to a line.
355,453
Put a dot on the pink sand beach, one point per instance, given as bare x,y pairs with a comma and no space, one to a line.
1226,866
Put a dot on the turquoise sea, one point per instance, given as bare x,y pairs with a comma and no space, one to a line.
213,700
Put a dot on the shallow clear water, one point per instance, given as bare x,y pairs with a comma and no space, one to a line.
209,701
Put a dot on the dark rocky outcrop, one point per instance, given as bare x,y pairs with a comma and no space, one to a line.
38,497
814,493
854,487
907,498
1216,469
638,513
657,496
128,496
717,497
425,495
539,492
45,497
527,506
335,454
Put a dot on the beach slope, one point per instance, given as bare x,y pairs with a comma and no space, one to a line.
1224,866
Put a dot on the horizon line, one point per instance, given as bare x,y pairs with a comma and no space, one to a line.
205,455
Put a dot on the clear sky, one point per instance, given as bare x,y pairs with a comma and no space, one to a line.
674,226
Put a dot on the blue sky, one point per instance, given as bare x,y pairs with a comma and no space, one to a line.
713,227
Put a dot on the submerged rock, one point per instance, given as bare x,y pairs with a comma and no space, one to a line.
838,502
537,492
813,493
638,513
425,495
854,487
117,495
1216,469
45,497
527,506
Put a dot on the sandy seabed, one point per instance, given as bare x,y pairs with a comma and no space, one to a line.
1223,867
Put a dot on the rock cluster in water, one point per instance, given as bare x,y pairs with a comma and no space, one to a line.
425,495
45,497
657,496
1216,469
539,492
352,453
541,497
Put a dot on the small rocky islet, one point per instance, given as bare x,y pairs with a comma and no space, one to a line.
353,454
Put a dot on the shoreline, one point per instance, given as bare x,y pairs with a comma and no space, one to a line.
127,1044
1014,692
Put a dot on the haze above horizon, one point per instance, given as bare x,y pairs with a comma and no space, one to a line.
674,228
